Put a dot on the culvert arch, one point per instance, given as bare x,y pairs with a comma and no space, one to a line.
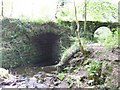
48,41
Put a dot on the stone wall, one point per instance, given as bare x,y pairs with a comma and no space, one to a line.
32,43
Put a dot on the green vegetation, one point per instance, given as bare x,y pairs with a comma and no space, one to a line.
70,81
18,40
97,71
107,38
113,41
15,41
94,71
61,76
96,11
27,41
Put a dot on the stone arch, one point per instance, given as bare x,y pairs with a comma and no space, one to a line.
100,25
111,26
47,40
102,32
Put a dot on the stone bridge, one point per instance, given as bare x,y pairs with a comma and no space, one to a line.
41,44
92,26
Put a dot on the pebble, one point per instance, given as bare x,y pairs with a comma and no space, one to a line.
27,82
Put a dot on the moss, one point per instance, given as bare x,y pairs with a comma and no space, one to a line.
19,39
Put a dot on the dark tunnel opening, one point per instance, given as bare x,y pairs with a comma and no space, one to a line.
47,48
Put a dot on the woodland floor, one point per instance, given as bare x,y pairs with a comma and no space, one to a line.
32,77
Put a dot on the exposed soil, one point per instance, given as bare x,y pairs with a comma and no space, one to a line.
100,52
110,55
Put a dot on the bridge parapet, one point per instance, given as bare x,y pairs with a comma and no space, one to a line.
92,26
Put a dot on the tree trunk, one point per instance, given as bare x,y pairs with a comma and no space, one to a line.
77,30
1,28
85,16
2,9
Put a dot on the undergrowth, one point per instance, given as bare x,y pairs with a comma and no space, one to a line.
110,41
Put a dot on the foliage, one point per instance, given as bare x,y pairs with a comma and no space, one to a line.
102,33
61,76
112,41
106,68
107,38
97,10
70,81
93,70
100,10
84,40
17,40
97,71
